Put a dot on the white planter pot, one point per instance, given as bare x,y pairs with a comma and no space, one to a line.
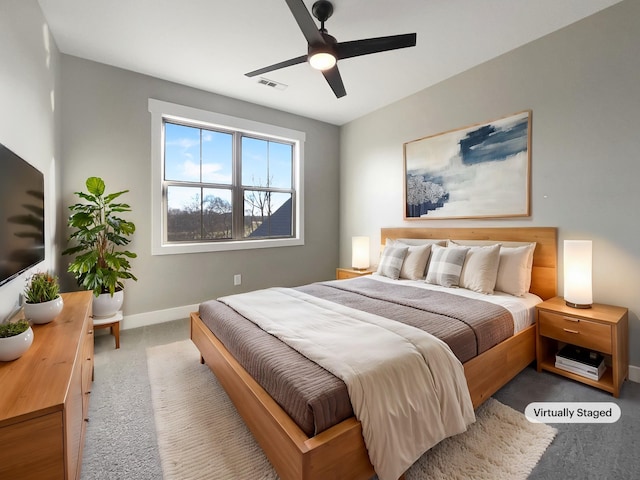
44,312
13,347
105,305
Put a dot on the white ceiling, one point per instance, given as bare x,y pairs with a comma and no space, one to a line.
211,44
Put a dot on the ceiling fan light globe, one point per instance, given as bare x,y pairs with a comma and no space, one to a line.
322,61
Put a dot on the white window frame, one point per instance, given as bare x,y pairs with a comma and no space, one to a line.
160,111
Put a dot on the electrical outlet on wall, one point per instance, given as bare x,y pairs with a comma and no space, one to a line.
237,279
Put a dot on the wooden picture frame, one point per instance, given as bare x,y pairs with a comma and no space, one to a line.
479,171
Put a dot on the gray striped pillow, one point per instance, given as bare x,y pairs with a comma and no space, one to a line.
446,265
391,261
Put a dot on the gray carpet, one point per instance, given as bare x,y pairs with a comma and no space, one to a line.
586,450
121,440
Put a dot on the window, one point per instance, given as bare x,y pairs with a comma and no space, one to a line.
223,183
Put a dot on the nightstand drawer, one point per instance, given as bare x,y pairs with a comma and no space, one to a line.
576,331
344,273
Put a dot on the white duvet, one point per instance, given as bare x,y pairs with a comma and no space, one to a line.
406,386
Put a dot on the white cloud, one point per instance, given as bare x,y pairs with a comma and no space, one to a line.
183,142
190,170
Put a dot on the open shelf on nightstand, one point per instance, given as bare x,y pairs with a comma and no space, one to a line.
604,383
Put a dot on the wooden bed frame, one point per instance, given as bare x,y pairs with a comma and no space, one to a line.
339,452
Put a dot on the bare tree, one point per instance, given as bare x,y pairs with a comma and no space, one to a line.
258,201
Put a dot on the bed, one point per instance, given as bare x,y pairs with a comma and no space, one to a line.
339,451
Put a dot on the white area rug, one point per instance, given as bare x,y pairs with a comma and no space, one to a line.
201,436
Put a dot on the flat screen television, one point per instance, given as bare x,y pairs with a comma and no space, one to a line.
21,215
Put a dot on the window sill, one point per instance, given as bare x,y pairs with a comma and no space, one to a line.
224,246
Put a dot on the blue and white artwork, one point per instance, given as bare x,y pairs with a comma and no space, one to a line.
477,171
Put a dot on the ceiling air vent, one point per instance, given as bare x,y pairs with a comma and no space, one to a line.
271,83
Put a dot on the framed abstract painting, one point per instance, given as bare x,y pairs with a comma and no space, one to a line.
480,171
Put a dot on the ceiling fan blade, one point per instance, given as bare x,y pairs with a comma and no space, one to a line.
305,22
277,66
335,81
374,45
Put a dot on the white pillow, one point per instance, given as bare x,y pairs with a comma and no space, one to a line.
514,270
415,262
446,265
391,261
480,269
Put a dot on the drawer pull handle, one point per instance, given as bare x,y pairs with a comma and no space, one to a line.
570,331
571,319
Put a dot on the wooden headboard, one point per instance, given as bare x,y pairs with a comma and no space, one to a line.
544,275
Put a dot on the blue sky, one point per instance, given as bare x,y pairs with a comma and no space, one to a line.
193,155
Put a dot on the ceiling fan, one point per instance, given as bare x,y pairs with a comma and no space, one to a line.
324,50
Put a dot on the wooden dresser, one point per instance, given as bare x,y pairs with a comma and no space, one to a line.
44,397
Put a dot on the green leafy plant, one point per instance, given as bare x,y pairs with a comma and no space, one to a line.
41,287
100,265
14,328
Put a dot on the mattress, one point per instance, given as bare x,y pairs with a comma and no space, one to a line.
314,398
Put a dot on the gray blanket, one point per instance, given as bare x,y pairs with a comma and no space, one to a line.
468,326
313,397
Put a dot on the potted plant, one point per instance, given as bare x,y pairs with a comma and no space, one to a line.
15,339
101,264
42,298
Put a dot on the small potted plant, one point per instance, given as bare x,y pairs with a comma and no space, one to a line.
99,235
15,339
43,302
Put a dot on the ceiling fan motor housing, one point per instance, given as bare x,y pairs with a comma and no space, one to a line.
322,10
328,46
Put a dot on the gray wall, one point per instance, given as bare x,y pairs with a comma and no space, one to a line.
107,133
29,116
583,85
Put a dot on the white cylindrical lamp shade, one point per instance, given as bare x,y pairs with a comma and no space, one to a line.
360,253
578,289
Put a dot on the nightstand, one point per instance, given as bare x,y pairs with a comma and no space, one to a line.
343,273
602,328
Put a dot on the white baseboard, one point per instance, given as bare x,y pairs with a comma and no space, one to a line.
634,373
158,316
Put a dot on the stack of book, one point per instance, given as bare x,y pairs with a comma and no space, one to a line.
581,361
